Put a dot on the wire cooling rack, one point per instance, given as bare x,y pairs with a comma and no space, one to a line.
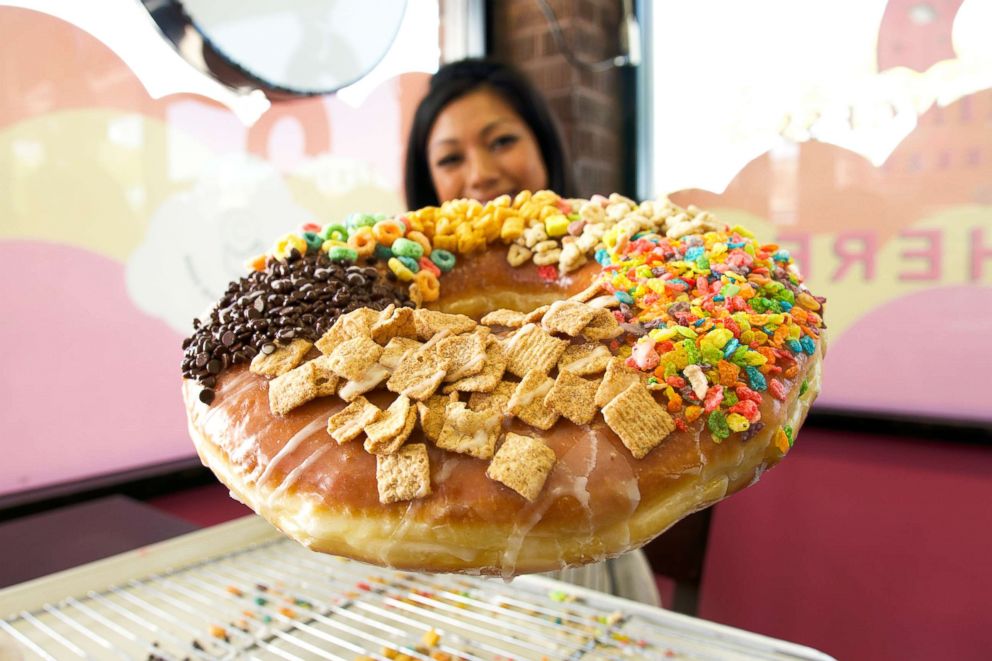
269,598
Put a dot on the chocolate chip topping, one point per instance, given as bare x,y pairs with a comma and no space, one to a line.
299,298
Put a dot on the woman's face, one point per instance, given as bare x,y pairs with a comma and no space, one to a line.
480,148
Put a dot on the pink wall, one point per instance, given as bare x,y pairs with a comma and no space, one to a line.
862,546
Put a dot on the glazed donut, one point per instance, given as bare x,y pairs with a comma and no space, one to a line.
561,400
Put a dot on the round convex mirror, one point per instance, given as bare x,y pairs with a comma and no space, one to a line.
285,46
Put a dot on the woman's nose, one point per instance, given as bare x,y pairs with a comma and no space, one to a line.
483,171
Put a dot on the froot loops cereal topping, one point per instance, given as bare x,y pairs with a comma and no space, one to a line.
420,246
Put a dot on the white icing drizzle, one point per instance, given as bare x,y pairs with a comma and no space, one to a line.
447,467
372,377
471,367
401,535
233,390
295,474
607,301
240,452
385,549
580,364
524,399
350,429
479,439
508,561
303,434
564,483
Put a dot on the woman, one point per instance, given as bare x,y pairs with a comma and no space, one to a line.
483,131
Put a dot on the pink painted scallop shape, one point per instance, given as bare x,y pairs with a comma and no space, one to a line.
90,385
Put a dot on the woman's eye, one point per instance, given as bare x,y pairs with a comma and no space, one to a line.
449,160
503,141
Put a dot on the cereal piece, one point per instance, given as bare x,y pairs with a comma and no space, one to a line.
416,295
507,318
568,317
353,357
294,388
324,376
587,242
429,322
432,414
547,258
350,421
697,379
676,230
466,355
556,224
420,374
618,378
399,323
441,258
469,432
369,379
490,375
572,257
592,212
518,255
603,326
281,360
534,235
639,421
588,293
573,397
498,400
545,246
585,359
382,433
536,314
396,442
404,475
357,323
396,350
426,281
532,348
527,402
522,463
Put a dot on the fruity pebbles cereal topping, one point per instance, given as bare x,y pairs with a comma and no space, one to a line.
714,317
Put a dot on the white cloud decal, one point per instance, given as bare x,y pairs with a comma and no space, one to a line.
198,240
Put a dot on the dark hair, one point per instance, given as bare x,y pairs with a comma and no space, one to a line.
457,79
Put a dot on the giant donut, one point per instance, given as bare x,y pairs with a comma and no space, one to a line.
711,360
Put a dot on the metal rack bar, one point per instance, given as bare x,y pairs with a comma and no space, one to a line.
137,619
99,640
56,636
24,640
109,624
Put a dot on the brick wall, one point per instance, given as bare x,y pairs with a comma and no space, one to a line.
587,105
